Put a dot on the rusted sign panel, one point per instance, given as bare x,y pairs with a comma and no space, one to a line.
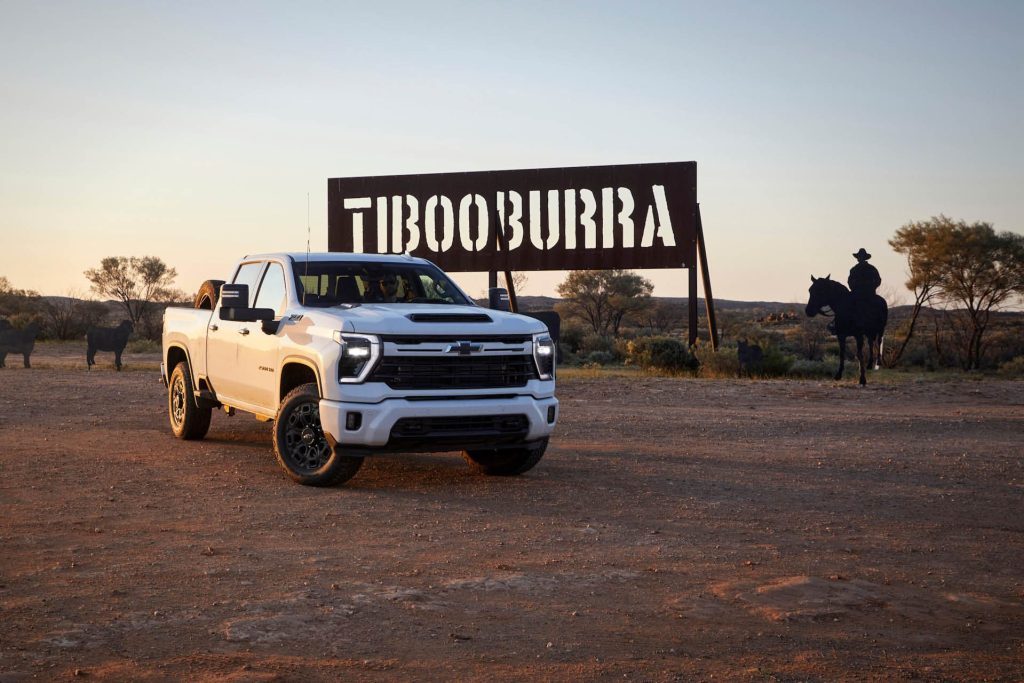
593,217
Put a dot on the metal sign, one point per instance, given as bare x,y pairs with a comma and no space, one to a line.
584,218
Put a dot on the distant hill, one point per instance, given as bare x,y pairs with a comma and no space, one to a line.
547,303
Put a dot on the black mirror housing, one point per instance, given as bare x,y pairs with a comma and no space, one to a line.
497,299
234,296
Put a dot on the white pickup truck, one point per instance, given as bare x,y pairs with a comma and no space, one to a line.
354,354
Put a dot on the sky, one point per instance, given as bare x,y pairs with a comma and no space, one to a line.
195,131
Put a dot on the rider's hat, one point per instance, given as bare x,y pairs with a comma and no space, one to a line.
862,255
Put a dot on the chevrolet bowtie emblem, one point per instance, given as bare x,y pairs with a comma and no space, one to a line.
463,348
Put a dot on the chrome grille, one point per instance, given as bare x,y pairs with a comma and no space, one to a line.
455,372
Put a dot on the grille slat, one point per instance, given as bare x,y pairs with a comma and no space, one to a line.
467,424
454,372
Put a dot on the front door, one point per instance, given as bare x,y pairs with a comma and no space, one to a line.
258,354
225,339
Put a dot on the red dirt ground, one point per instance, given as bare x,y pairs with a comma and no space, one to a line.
676,530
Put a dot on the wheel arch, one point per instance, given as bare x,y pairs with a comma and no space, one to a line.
296,371
177,353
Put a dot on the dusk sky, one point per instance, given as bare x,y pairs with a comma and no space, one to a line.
194,131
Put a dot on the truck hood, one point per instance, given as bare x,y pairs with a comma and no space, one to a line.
432,319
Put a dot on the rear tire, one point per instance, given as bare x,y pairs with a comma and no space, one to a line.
505,462
300,445
208,294
189,421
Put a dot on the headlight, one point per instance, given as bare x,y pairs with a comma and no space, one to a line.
359,353
544,356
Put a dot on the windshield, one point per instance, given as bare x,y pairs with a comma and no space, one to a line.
333,283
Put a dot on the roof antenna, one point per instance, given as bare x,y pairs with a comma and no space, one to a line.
305,285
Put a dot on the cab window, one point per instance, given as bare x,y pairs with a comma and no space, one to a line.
249,274
272,292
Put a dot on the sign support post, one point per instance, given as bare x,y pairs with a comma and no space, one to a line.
709,300
513,302
691,300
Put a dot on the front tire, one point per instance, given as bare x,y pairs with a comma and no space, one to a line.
505,462
189,421
300,445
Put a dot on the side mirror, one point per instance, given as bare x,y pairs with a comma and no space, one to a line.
497,299
234,305
234,296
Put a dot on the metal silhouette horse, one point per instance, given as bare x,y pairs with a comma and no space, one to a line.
854,317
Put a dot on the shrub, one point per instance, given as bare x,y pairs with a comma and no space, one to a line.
566,356
717,364
572,337
1013,368
595,342
660,353
812,369
725,362
776,363
599,358
143,346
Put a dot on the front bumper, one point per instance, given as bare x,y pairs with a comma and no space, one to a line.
378,420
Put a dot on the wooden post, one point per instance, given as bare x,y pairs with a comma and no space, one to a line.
513,302
499,241
709,300
691,299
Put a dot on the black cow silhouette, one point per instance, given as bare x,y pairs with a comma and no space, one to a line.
107,339
751,357
13,340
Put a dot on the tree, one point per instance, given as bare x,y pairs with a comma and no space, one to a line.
68,317
137,283
519,279
966,265
663,316
603,298
15,301
920,243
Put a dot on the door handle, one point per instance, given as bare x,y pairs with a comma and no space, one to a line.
214,328
244,330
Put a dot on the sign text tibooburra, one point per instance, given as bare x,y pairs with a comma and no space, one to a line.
636,216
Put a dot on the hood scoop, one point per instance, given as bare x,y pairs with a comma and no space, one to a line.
450,318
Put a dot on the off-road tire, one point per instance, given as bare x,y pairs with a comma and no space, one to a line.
301,447
189,420
209,292
505,462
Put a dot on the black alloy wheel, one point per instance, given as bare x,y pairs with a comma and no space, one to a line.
306,447
189,420
302,448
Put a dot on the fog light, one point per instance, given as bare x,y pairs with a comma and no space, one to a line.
551,415
353,421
